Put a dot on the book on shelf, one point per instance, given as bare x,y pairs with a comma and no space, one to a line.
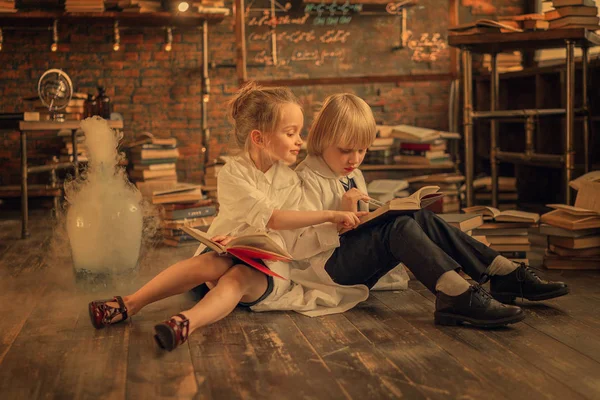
582,11
422,198
536,25
492,213
415,134
151,154
248,248
564,3
495,26
464,222
154,167
508,240
552,230
575,22
146,174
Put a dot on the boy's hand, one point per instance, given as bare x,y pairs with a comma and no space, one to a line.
347,219
222,239
350,199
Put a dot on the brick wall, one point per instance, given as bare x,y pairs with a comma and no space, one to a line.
159,91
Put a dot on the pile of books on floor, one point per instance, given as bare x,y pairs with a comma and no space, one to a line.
84,5
574,231
153,163
468,223
422,146
565,14
7,6
507,192
184,205
506,231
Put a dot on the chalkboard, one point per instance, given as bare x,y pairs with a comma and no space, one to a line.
301,39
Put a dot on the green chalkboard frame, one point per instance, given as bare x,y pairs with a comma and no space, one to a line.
242,62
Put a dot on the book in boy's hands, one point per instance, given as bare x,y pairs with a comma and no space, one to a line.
248,248
422,198
491,213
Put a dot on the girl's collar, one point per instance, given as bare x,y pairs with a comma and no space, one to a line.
269,175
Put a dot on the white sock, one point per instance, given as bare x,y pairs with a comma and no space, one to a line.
501,266
452,284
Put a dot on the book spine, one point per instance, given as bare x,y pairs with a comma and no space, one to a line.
192,212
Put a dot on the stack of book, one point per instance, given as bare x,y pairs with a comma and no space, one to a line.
506,231
565,14
384,190
506,62
573,237
422,146
381,151
183,205
153,163
538,239
449,184
467,223
7,6
528,22
84,5
211,7
140,6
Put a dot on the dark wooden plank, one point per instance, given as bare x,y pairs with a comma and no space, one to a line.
425,362
355,362
499,366
536,349
252,355
151,371
63,354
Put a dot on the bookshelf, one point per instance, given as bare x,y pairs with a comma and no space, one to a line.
564,89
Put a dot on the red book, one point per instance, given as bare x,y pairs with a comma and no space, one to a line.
251,249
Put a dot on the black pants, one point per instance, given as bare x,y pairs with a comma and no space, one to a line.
424,242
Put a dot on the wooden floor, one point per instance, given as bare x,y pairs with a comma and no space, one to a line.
388,347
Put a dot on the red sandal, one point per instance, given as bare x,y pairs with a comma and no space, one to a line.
101,314
172,333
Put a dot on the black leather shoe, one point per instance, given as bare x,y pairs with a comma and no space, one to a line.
523,282
476,307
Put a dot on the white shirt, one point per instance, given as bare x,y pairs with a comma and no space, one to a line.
247,198
323,191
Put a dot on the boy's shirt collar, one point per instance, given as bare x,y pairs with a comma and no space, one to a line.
317,164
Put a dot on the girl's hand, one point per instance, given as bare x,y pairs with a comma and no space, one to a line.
347,219
222,239
350,199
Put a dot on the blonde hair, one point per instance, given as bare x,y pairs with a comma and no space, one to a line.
344,120
257,108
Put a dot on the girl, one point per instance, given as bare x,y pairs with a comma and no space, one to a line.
429,247
256,192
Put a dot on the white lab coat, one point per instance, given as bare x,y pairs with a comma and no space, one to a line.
323,191
247,198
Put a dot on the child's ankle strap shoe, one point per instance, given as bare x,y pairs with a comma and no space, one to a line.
173,332
102,314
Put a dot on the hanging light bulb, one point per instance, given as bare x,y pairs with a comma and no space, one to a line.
169,41
54,46
183,6
117,43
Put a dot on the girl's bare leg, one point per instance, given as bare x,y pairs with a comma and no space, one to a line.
239,283
178,278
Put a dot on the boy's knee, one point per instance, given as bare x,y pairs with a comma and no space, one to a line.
404,223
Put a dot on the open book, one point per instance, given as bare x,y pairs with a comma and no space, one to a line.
422,198
491,213
249,248
572,218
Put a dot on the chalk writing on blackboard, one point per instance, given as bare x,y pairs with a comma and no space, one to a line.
426,48
318,57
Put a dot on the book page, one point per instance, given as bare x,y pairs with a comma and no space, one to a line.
583,212
260,241
521,215
204,238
